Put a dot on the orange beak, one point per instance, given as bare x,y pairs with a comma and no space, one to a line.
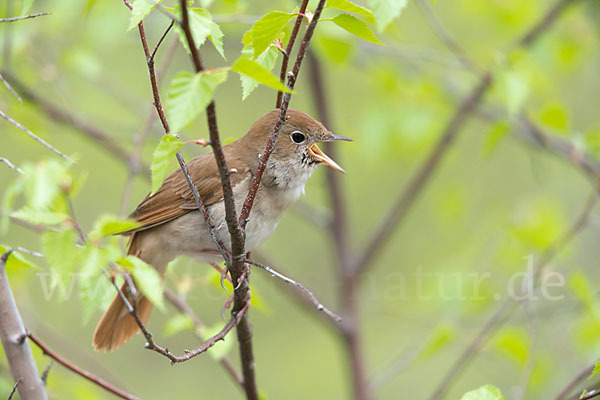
315,152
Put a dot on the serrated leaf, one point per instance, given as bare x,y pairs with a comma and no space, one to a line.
39,217
164,152
176,324
487,392
202,27
347,5
16,259
267,60
60,249
252,69
356,27
140,10
42,182
385,11
265,31
146,278
189,94
108,225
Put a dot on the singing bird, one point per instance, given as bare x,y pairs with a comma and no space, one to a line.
171,225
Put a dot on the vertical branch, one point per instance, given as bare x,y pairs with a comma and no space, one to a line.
13,335
292,77
338,228
289,48
237,268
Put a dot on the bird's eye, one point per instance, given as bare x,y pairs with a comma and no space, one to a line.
298,137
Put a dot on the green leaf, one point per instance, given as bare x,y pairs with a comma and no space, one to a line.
16,259
515,90
347,5
336,50
61,250
487,392
176,324
40,217
443,335
164,152
494,136
202,27
513,343
267,60
265,31
93,260
42,182
596,370
252,69
13,189
385,11
146,279
26,6
189,94
108,225
140,9
356,27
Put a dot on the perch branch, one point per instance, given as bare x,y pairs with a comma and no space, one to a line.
79,371
21,18
12,333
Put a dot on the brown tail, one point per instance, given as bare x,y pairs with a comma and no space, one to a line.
117,326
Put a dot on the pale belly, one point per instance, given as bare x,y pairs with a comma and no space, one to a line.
189,235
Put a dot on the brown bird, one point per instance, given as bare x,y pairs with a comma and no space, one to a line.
170,223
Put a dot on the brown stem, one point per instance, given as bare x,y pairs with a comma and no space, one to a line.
338,228
13,19
293,76
90,377
241,292
289,48
17,350
572,385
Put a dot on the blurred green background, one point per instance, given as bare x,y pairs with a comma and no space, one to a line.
495,200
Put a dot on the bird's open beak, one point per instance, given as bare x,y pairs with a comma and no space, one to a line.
317,154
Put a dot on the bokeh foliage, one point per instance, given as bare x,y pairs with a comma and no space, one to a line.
495,201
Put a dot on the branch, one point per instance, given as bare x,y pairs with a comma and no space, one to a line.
509,305
14,389
236,267
17,350
581,376
11,165
333,317
189,354
90,377
350,328
10,89
13,19
64,117
35,137
292,77
185,309
288,50
420,178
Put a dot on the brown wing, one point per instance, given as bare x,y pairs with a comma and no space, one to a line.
174,198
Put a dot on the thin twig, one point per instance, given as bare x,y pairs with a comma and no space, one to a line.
14,389
10,89
35,137
573,383
63,116
336,319
184,308
79,371
47,372
289,48
446,37
189,354
13,19
11,165
292,77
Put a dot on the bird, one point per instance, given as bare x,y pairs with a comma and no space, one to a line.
170,224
